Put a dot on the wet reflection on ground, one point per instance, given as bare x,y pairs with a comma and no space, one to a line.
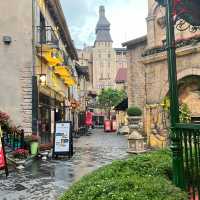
46,180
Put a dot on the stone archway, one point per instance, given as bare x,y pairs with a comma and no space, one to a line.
194,71
189,93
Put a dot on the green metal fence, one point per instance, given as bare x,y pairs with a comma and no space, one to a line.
185,138
189,137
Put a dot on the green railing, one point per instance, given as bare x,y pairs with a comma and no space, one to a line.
14,140
189,135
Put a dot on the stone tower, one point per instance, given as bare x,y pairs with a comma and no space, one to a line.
104,56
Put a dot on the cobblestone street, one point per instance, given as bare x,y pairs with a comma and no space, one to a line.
47,180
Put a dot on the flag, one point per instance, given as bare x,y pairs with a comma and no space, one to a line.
187,10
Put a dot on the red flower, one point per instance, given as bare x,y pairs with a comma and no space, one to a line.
20,153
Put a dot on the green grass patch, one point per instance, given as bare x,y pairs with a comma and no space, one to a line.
142,177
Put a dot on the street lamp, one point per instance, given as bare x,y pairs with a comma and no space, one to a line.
43,79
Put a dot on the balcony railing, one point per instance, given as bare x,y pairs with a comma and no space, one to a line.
47,35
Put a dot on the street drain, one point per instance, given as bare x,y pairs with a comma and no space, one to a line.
19,187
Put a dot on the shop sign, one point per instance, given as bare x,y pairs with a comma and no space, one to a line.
63,143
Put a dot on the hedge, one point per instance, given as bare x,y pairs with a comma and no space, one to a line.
142,177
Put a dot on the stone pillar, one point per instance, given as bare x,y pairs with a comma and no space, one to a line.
150,31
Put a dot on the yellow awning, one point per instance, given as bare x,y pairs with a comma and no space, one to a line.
62,71
53,57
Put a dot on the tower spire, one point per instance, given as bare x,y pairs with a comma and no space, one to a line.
101,11
103,27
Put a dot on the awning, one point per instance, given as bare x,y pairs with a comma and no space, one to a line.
121,76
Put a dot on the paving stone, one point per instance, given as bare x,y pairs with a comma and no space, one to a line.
47,180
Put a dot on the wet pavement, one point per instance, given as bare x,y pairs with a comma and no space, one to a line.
47,180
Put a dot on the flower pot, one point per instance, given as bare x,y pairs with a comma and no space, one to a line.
134,120
34,148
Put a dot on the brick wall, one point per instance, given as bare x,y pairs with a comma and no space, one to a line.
16,61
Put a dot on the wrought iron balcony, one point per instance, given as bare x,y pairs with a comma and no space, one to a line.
47,35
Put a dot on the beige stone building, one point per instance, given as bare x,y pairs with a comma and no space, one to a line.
148,72
37,61
103,60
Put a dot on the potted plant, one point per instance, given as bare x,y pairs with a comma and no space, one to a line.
135,139
134,114
20,154
32,141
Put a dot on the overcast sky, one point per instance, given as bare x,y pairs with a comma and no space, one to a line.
127,18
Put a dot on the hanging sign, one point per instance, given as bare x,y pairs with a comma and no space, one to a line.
63,143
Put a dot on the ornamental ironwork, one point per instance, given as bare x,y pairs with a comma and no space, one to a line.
182,25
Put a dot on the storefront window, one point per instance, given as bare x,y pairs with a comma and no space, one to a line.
50,112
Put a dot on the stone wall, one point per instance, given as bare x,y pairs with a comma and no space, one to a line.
16,61
136,76
104,65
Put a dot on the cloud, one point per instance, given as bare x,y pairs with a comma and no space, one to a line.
127,18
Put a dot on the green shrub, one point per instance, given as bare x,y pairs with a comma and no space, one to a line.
143,177
134,111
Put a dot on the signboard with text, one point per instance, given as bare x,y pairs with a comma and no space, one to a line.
63,142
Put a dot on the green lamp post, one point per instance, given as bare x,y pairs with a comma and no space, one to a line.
187,12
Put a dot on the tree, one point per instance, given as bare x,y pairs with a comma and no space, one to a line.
108,98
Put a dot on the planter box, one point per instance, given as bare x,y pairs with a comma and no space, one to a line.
17,162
